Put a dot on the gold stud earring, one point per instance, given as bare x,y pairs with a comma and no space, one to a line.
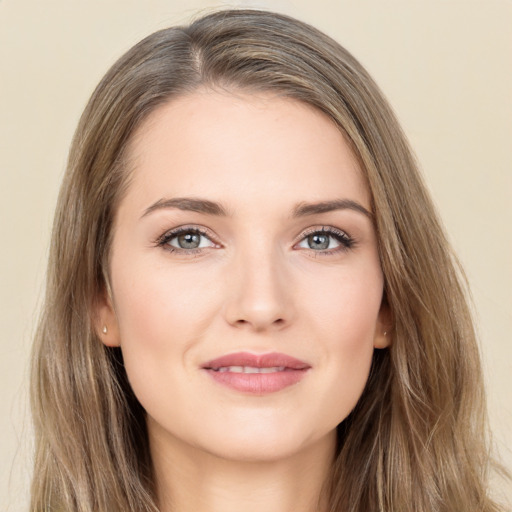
105,330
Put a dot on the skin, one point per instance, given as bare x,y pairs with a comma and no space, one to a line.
257,285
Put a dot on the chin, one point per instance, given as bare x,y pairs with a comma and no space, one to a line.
265,443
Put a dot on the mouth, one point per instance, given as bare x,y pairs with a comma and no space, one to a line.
256,373
249,369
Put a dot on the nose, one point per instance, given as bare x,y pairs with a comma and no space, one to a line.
260,292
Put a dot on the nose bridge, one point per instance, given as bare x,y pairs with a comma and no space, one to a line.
259,289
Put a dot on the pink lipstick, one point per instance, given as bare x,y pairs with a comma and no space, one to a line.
256,373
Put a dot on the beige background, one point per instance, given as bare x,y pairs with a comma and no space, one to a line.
444,64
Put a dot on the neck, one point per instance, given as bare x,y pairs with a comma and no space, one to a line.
191,480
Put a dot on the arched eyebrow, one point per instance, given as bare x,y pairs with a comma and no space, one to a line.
304,209
208,207
190,204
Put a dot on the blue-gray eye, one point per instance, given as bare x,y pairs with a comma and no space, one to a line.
320,241
187,239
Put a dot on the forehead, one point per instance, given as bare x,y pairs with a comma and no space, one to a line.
235,147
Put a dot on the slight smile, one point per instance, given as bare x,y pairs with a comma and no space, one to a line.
256,373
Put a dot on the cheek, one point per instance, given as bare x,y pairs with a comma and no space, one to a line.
156,307
348,307
346,313
160,317
347,370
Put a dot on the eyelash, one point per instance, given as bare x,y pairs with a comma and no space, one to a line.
345,241
164,240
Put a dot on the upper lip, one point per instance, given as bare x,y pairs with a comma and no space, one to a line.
270,360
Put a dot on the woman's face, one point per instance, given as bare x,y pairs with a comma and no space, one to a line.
245,276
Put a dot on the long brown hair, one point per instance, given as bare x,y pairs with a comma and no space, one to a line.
416,440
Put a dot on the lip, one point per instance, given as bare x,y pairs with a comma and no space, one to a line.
286,371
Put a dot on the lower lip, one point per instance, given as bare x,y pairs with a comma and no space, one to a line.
258,383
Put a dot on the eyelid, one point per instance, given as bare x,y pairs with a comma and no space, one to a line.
344,240
174,232
323,229
330,230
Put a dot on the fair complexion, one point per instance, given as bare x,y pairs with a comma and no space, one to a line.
257,273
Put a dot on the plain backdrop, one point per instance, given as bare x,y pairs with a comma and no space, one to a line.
445,66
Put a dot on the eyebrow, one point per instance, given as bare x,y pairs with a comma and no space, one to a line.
208,207
303,209
190,204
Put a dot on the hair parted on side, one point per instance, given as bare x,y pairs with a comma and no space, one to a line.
417,438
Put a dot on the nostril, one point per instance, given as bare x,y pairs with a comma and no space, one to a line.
260,325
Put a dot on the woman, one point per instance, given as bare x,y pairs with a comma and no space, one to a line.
251,302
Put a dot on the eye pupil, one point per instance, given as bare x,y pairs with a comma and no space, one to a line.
189,240
317,241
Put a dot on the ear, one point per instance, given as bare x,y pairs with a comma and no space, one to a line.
384,328
105,321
